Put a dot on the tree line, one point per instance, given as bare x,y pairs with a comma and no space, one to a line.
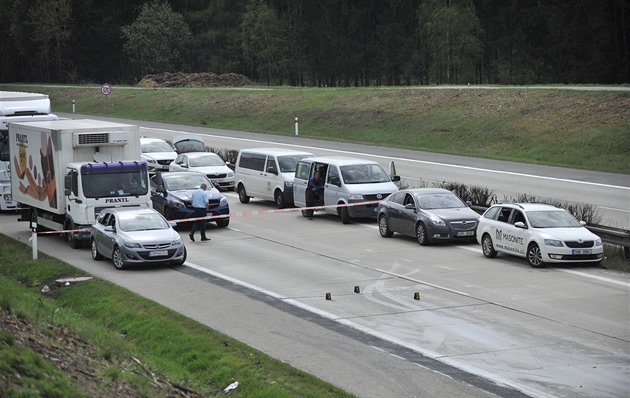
318,42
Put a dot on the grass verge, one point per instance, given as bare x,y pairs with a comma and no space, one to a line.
126,345
570,128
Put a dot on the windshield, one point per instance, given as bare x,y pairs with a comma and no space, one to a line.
141,222
364,173
131,183
209,160
288,163
439,201
183,183
552,219
158,146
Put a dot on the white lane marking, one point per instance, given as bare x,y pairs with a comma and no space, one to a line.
453,361
599,278
403,159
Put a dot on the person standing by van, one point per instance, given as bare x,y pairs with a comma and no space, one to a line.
314,192
200,203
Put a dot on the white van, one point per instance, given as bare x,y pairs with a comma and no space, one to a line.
346,181
267,173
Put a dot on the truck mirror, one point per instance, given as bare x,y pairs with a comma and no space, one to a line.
67,182
67,192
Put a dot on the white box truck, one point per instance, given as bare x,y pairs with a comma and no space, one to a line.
65,172
15,107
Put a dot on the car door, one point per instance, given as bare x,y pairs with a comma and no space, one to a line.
395,211
507,238
158,200
300,181
406,218
332,187
270,176
108,237
518,236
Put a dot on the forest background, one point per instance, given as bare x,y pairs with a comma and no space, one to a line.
334,43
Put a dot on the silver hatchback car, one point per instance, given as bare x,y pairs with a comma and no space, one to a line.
135,236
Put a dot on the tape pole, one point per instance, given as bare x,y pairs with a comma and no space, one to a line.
34,240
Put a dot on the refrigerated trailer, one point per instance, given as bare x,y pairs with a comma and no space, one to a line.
65,172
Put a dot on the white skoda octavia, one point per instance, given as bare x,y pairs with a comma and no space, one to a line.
541,233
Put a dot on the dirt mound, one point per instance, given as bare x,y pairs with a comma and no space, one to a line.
205,79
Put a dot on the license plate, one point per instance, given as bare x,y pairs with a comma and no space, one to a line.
157,253
466,233
582,251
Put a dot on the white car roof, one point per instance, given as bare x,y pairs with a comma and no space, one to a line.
340,160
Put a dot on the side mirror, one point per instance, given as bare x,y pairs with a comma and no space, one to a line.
410,206
217,186
395,178
67,183
519,224
109,228
468,203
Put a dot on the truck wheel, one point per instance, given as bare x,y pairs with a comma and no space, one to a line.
242,195
279,199
117,259
96,256
71,236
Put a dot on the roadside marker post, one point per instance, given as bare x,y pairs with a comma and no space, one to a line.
296,126
34,239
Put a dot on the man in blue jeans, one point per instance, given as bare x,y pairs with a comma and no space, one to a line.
200,203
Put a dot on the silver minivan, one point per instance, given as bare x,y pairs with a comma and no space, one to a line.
267,173
347,181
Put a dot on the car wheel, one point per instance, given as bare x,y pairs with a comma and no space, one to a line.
71,237
279,199
223,222
383,227
117,259
183,260
96,256
487,247
345,216
242,195
304,213
421,234
168,213
534,256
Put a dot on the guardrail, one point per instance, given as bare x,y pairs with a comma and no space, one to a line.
613,236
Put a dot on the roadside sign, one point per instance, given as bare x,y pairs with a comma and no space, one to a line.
106,89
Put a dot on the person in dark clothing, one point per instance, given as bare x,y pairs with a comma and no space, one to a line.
314,192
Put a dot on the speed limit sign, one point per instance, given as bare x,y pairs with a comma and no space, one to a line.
106,89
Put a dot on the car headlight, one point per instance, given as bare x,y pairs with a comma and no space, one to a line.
230,174
355,196
438,221
8,197
598,242
132,245
176,242
288,184
175,203
223,201
150,160
553,242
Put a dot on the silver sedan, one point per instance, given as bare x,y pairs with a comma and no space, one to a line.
135,236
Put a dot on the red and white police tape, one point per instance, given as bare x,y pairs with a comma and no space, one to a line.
231,215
